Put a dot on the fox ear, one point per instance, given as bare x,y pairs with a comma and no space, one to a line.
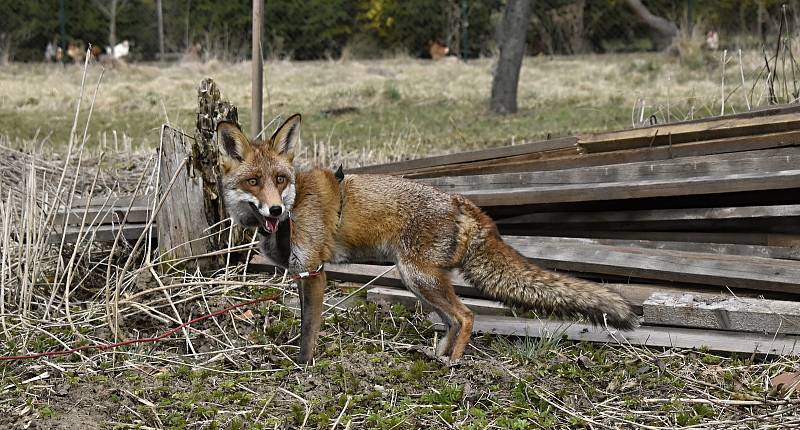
232,143
284,138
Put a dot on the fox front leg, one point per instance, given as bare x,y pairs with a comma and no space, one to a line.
311,293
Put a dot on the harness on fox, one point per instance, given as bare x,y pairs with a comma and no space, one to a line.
339,174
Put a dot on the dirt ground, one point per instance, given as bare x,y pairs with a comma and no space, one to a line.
372,371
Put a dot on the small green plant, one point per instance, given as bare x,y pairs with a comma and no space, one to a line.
391,93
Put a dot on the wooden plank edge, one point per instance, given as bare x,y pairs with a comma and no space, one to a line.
471,156
635,294
723,313
646,336
103,233
385,295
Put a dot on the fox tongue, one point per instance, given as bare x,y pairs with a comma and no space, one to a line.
271,224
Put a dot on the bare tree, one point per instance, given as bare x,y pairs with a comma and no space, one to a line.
109,8
160,16
664,27
512,34
5,48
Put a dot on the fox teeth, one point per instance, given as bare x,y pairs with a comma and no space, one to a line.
271,224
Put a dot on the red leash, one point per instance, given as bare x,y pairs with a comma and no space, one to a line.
106,346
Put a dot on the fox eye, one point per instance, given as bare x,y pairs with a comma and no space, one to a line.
280,179
252,181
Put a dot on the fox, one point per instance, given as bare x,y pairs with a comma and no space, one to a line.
308,218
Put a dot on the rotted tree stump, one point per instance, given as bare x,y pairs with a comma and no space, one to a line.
191,223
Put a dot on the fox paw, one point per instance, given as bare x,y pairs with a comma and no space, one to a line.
431,353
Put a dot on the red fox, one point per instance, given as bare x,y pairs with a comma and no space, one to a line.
306,219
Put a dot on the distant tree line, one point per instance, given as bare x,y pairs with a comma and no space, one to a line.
313,29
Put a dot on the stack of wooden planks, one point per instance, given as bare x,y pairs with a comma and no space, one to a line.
695,223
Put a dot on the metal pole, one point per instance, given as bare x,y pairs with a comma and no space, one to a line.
257,72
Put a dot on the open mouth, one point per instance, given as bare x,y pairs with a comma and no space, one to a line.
271,224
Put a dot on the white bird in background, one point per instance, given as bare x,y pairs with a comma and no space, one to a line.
120,50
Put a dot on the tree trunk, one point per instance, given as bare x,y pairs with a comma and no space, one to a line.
160,30
112,24
664,27
5,49
188,16
512,48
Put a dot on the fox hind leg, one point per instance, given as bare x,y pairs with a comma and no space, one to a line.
433,287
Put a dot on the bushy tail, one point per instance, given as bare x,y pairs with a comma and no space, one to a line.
496,269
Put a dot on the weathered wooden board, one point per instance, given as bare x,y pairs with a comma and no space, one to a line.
108,215
99,233
723,313
485,154
688,132
652,336
450,169
751,181
656,153
655,215
666,265
781,252
384,295
182,230
708,166
113,201
660,337
635,294
743,238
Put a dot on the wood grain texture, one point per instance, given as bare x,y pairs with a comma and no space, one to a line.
655,215
666,265
471,156
181,224
756,181
708,166
100,233
634,293
109,215
488,319
723,313
689,132
661,337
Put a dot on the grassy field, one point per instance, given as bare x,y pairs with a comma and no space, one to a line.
372,370
399,107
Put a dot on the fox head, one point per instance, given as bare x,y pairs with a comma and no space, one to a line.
258,176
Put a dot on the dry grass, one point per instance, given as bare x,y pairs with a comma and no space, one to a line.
237,370
402,107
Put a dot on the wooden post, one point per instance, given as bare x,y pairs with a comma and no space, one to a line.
181,227
212,110
194,204
257,72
